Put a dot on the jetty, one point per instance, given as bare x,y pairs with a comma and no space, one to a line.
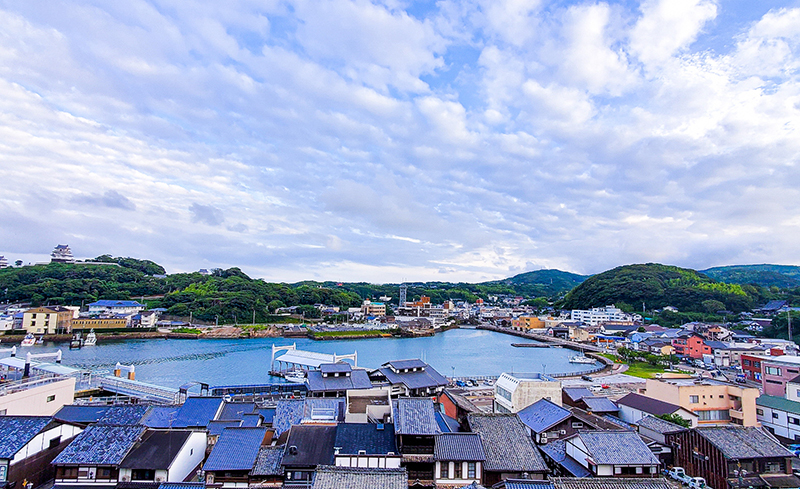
530,345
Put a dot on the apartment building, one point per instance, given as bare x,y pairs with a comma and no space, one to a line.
514,392
714,402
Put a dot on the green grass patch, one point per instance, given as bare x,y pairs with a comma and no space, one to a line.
643,370
187,330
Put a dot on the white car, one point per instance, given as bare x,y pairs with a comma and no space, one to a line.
698,483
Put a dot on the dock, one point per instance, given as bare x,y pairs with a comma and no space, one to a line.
530,345
295,359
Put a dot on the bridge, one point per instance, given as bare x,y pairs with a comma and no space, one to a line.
139,390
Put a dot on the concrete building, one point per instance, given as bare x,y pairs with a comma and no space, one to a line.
714,402
525,323
36,396
115,307
99,323
599,315
514,392
369,308
774,372
47,320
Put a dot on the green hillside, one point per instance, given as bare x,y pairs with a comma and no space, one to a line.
781,276
658,286
543,283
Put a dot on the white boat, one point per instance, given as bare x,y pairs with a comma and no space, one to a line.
29,340
91,339
298,376
581,359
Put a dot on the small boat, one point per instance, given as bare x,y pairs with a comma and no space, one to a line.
581,359
29,340
91,339
296,376
40,340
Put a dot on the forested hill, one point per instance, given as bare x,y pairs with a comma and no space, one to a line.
658,286
781,276
543,283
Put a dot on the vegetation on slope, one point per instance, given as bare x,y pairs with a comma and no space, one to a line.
781,276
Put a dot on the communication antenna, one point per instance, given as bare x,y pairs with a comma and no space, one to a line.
403,294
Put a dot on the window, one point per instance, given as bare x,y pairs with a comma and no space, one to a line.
143,475
794,421
70,473
772,370
774,415
55,441
577,424
759,411
746,362
51,398
714,415
721,396
503,393
103,473
694,399
471,470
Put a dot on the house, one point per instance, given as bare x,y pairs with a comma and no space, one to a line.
723,454
366,445
47,320
335,379
612,454
561,465
330,477
571,395
93,458
114,321
633,407
691,345
657,346
654,431
513,392
774,372
164,456
416,429
459,459
368,406
713,401
409,378
510,452
267,471
731,354
547,421
115,307
456,406
234,456
27,446
307,448
779,416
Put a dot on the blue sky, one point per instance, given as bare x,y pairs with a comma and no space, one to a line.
395,140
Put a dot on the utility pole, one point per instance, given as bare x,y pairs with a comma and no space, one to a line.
254,316
789,321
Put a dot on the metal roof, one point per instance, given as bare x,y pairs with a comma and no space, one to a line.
235,410
17,431
414,416
459,447
339,367
647,404
599,404
779,403
156,451
197,412
374,439
236,449
113,303
309,359
557,452
446,423
415,380
72,413
402,364
309,446
576,393
160,416
100,445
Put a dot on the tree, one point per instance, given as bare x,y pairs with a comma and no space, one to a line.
274,305
711,306
674,418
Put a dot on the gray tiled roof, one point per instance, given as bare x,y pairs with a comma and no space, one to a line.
543,415
647,404
401,364
268,461
414,416
610,483
459,447
100,445
616,448
236,449
659,425
331,477
506,442
576,393
743,442
329,368
373,438
17,431
413,380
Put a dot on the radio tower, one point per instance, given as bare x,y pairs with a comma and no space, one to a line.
403,292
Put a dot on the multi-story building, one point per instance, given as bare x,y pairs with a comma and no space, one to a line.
62,254
599,315
369,308
3,262
774,372
779,416
37,396
714,402
731,354
692,346
47,320
100,322
514,392
115,307
524,323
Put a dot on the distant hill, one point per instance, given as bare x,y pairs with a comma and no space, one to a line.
762,275
659,286
542,283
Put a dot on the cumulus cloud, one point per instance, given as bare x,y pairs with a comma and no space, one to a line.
357,140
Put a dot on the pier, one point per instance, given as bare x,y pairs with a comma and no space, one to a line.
295,359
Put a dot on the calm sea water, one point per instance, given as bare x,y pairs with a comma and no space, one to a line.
463,352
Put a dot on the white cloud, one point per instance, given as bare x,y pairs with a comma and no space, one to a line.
667,27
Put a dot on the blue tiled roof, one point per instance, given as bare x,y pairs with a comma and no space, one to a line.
16,431
353,437
267,413
236,449
100,445
197,411
160,416
113,303
124,415
182,485
542,415
459,446
415,416
557,452
288,412
358,379
215,428
251,420
446,423
81,414
617,448
527,484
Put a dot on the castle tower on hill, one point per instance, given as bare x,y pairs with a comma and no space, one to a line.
62,254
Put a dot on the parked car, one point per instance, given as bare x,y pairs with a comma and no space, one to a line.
679,475
698,483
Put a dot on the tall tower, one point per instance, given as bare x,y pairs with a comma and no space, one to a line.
403,292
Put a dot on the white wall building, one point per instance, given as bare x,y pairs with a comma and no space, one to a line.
514,392
599,315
